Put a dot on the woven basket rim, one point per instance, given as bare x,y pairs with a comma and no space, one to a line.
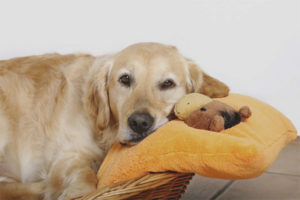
131,187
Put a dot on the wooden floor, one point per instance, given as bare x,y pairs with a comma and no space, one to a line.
280,182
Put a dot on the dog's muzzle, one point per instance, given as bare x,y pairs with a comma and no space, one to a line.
140,123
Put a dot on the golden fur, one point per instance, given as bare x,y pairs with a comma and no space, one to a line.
59,114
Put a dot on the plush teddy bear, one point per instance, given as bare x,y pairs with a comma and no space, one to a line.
202,112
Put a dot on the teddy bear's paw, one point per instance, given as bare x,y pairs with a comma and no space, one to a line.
217,124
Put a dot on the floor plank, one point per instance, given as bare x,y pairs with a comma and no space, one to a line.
288,161
203,188
266,187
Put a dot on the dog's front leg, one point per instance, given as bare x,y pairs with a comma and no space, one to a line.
70,177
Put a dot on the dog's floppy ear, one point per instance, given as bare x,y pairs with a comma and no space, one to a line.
205,84
96,95
213,87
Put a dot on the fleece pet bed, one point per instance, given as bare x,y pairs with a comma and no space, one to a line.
243,151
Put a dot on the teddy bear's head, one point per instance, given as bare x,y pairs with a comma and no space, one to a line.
199,112
216,116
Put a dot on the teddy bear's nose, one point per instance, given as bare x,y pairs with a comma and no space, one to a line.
140,122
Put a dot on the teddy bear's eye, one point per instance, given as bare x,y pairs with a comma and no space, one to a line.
203,109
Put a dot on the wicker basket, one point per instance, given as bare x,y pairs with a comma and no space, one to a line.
167,185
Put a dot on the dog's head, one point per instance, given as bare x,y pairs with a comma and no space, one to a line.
138,87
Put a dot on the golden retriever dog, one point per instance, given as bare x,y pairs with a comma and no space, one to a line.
59,114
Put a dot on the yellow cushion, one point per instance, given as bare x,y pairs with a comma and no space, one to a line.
243,151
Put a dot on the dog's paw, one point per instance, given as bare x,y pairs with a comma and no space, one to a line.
75,192
37,187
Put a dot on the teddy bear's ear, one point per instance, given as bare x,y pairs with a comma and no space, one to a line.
244,112
205,84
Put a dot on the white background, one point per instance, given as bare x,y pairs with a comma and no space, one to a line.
252,45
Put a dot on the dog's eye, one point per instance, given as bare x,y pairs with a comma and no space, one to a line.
167,84
125,80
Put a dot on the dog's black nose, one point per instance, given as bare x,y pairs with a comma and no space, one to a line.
140,122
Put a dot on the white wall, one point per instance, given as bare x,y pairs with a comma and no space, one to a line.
252,45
